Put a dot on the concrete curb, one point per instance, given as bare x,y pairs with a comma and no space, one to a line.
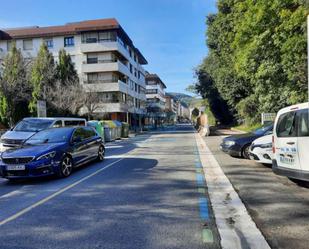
236,227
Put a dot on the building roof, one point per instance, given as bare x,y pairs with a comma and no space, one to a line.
70,29
67,29
155,77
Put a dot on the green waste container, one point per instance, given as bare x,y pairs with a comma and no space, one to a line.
125,129
97,125
118,128
109,130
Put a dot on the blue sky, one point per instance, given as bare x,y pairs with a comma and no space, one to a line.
170,33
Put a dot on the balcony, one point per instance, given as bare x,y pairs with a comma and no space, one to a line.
106,66
104,46
106,86
114,107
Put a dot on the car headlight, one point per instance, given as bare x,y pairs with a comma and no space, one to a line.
229,143
47,156
265,146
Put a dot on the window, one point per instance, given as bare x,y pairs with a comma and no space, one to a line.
303,123
92,77
27,44
131,68
69,41
286,126
49,42
78,135
107,36
92,58
151,82
9,45
57,124
74,123
50,136
90,37
33,125
151,91
88,132
124,98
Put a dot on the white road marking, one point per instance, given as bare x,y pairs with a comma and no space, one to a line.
12,193
26,210
237,229
113,146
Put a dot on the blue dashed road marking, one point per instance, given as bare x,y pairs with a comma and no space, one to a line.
200,180
204,209
198,165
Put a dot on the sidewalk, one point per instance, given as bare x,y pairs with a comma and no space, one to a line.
235,225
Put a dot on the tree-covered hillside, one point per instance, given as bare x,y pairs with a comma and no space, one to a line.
257,58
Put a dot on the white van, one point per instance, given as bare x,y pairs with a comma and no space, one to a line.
291,142
27,127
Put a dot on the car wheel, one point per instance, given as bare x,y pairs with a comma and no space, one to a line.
245,151
101,153
66,166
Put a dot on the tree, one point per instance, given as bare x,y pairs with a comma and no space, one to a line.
257,56
15,91
42,76
91,102
66,99
207,88
66,95
65,70
195,112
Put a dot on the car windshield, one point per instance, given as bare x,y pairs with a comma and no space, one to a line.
57,135
262,130
33,125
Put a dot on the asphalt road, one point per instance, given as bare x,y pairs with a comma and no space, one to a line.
144,195
279,207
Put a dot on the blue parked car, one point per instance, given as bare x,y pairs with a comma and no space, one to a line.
54,151
238,145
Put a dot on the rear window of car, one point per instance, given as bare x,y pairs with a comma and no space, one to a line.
286,125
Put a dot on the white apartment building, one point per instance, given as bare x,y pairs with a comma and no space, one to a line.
155,93
171,105
105,58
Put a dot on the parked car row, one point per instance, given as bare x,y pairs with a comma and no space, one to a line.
284,145
38,147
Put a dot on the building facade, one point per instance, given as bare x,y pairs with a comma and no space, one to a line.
171,108
105,58
155,95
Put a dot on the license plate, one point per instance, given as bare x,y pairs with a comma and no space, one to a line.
15,167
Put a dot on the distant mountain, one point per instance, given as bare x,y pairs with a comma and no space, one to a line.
182,97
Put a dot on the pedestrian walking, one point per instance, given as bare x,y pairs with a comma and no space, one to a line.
203,124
